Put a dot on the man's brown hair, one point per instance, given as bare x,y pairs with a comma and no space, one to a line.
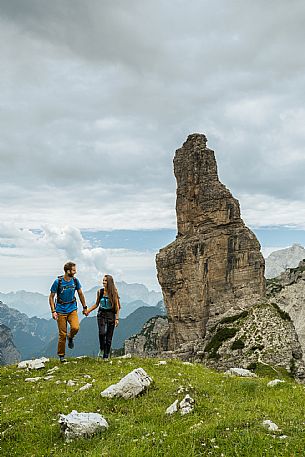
68,266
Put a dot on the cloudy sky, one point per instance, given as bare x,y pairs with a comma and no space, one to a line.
96,96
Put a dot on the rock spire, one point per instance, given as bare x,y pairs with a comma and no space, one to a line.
215,263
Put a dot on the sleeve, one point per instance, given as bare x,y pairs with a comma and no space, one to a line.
54,286
78,284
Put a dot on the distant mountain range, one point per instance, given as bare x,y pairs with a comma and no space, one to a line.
34,337
36,304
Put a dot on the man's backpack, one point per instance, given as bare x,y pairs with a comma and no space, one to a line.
58,299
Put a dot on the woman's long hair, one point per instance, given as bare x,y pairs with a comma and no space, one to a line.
112,293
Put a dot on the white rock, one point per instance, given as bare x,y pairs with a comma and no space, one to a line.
44,359
270,426
126,356
130,386
58,382
161,362
81,357
76,425
52,370
187,363
23,364
173,408
33,379
87,376
85,387
47,378
274,382
71,383
35,364
241,372
186,405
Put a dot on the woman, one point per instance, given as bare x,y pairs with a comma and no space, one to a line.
108,314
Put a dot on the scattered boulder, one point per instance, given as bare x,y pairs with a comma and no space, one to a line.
77,425
270,426
241,372
33,379
274,382
133,384
52,370
71,383
185,406
85,387
35,364
173,408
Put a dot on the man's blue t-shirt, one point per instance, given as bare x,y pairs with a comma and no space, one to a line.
66,294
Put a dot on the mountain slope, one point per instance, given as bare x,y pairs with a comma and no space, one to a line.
8,351
30,334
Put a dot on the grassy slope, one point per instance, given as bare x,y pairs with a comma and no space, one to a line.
226,420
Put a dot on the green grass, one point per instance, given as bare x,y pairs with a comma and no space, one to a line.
226,420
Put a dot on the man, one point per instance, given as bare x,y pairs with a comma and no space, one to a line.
65,309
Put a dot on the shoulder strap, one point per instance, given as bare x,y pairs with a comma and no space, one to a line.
59,284
75,282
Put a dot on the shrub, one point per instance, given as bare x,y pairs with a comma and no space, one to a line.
222,335
237,344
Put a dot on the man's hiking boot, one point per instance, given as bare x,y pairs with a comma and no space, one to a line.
70,343
62,359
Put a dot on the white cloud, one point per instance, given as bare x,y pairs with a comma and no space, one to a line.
39,257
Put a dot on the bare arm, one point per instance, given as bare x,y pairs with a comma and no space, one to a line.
52,305
82,298
96,303
118,307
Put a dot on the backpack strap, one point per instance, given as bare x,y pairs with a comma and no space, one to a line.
58,299
100,294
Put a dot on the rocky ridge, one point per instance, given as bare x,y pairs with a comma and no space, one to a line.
151,341
288,291
8,351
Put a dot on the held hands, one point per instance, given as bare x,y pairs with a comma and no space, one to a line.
116,322
86,312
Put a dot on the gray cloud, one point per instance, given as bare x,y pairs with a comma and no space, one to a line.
96,96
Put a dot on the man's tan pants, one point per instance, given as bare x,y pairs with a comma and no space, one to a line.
62,321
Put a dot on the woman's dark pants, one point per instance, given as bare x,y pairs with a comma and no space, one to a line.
105,321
